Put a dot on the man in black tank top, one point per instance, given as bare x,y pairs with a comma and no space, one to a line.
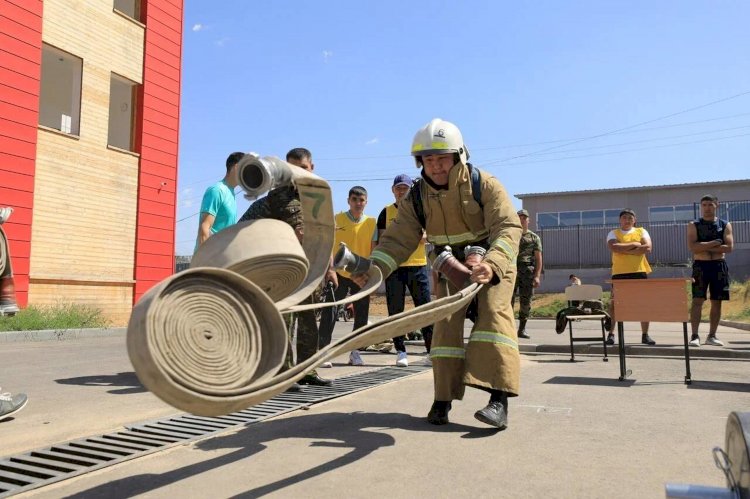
709,238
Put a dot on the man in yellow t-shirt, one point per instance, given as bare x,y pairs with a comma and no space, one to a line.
629,246
357,230
411,274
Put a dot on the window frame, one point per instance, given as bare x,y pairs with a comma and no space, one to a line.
661,207
114,77
77,99
137,18
548,213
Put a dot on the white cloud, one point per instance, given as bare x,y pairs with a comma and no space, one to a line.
197,27
372,141
187,197
221,41
327,54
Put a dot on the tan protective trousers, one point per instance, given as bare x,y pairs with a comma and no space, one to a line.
490,360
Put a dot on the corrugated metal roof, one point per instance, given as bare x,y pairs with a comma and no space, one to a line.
636,188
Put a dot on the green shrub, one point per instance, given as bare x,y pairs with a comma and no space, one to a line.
60,316
739,293
548,310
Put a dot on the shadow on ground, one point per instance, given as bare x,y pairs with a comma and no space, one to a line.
722,386
580,380
567,361
127,379
359,432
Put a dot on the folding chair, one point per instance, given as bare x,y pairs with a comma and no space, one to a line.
581,293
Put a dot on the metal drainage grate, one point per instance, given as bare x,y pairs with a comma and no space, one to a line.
42,467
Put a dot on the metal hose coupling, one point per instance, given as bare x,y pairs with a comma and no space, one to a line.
258,175
448,265
352,263
473,255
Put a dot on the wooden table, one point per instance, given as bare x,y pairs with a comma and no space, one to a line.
651,300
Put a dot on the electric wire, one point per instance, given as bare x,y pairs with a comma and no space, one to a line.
629,127
510,146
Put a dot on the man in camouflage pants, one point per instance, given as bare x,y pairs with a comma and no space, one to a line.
283,204
529,266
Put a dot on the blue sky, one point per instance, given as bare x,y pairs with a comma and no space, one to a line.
352,81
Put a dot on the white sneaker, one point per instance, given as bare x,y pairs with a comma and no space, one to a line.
9,309
11,404
326,364
402,361
355,359
713,340
695,341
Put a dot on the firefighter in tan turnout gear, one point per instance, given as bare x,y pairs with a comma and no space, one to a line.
453,215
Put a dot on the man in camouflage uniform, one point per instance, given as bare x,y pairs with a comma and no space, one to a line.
529,266
283,204
452,216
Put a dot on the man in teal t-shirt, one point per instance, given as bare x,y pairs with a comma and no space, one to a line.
219,208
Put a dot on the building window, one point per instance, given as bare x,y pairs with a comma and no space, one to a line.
568,218
679,213
612,217
594,217
131,8
684,213
546,220
122,100
60,90
661,214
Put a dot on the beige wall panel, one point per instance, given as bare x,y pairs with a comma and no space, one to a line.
91,29
113,301
84,210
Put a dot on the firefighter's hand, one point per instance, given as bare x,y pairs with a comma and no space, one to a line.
472,260
482,273
332,277
360,279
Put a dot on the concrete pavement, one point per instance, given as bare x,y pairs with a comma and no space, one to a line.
575,430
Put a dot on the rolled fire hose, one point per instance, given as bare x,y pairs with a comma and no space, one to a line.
210,340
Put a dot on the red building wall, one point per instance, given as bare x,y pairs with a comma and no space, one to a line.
20,72
157,142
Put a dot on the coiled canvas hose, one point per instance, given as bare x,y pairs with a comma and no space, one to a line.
210,340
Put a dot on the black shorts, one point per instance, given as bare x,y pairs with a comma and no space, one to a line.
711,275
631,275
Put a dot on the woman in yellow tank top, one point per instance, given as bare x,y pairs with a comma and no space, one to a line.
629,246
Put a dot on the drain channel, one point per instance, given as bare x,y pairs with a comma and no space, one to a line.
44,466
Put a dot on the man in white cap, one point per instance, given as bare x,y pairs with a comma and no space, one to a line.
411,274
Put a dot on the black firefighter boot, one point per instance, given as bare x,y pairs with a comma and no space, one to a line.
496,412
439,412
522,329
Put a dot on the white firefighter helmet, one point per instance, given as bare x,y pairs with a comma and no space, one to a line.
439,137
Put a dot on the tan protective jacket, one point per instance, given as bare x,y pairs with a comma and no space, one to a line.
491,358
453,217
